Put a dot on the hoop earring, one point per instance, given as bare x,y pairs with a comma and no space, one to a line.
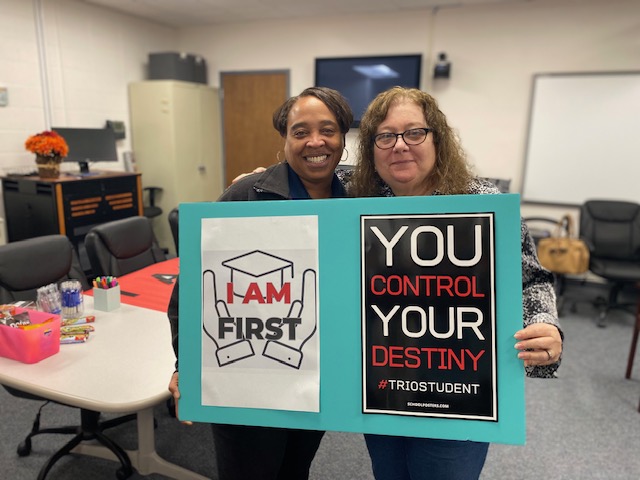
278,156
345,158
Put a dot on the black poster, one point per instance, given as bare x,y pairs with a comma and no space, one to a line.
428,292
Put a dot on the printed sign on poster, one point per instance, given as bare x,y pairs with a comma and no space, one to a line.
428,315
296,314
260,347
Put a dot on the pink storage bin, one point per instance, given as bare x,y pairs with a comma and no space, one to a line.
31,346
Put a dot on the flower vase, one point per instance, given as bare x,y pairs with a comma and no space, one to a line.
48,167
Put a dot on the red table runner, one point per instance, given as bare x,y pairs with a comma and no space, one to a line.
149,287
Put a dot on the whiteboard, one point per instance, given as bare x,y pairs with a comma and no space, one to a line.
584,138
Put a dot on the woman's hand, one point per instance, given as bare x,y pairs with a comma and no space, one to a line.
242,175
539,344
175,391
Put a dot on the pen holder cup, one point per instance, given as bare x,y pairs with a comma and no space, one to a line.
106,299
71,299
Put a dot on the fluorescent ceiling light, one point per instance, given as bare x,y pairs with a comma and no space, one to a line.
376,71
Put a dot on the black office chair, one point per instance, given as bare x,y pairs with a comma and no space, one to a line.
122,246
173,225
150,209
611,230
25,266
29,264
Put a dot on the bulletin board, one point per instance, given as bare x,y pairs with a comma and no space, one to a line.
345,230
582,140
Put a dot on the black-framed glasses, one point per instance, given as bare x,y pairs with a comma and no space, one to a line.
414,136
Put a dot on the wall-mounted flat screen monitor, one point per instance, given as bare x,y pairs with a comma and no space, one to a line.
88,145
360,79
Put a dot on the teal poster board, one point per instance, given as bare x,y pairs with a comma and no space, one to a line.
340,304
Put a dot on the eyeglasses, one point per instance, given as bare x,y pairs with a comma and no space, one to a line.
415,136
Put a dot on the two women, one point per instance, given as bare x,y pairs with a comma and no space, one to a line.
406,147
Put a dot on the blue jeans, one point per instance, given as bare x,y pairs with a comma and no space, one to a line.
405,458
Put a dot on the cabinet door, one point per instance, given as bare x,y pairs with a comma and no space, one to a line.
176,142
90,202
211,152
188,143
30,209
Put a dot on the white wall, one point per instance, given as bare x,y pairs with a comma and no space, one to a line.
19,73
495,49
294,44
91,56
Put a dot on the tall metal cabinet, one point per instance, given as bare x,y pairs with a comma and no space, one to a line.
176,138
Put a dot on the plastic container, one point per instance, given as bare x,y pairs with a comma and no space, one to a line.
33,344
71,299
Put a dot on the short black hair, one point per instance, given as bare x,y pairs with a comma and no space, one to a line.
333,99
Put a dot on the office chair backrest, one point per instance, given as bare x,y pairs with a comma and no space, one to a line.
122,246
611,228
27,265
173,225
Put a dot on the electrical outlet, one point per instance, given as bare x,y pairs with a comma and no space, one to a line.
4,96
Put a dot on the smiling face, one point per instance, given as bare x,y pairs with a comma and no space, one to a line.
405,168
313,145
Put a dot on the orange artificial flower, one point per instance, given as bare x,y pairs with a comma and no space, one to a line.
47,144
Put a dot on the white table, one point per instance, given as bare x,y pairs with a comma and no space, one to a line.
125,367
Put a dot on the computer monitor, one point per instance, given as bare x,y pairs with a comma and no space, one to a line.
87,145
360,79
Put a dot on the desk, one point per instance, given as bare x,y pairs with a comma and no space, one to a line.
131,358
68,205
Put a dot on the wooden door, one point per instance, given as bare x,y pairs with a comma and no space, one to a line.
248,102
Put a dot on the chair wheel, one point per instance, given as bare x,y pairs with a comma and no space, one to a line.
24,448
602,320
123,473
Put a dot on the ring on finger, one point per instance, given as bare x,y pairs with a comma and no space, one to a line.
548,354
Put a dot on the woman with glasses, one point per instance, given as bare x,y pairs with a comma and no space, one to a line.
313,126
406,147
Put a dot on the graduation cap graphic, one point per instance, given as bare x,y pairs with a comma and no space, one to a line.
257,267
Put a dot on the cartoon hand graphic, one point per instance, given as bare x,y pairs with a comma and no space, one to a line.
289,350
215,313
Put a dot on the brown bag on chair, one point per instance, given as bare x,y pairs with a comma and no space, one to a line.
562,253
